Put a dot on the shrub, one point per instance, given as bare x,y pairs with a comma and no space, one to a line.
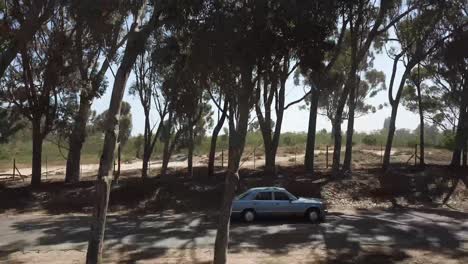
370,140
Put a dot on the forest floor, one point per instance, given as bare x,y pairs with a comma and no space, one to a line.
397,217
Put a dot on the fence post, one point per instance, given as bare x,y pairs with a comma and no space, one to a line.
415,154
14,166
381,153
295,156
254,157
326,158
222,158
46,172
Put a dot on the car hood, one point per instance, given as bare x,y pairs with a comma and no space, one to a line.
308,200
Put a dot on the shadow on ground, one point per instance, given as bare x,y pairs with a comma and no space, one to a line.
368,236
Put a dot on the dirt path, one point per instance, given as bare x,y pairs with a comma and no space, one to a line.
348,236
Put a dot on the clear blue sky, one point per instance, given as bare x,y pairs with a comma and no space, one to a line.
295,120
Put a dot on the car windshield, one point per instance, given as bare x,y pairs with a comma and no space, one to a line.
291,196
243,195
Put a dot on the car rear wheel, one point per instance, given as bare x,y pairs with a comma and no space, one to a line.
248,216
313,215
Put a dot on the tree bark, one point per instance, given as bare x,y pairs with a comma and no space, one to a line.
146,147
36,153
169,146
135,45
237,137
190,151
166,158
461,134
271,136
421,124
98,225
338,118
76,141
347,166
214,138
119,156
465,153
394,104
311,132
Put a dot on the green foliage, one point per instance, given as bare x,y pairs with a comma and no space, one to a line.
370,140
448,141
10,123
125,124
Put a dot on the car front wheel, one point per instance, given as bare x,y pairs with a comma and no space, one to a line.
313,215
248,216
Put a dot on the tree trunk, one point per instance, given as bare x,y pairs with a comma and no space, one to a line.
465,153
135,44
265,128
166,158
311,132
347,166
271,168
270,160
421,124
338,118
76,141
144,166
237,137
214,138
392,127
146,147
98,225
190,151
461,134
36,153
119,156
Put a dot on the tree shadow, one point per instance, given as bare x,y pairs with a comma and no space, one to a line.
368,236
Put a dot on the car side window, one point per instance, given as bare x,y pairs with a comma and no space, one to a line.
281,196
263,196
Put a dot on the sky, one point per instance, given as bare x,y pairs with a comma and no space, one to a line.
295,119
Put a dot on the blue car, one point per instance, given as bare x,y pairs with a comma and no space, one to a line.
275,201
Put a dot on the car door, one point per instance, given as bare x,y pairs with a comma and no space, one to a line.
263,203
283,204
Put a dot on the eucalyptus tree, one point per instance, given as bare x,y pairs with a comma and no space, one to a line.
148,88
125,130
97,35
456,57
38,84
420,34
369,23
419,97
222,104
188,109
271,88
145,19
19,23
238,34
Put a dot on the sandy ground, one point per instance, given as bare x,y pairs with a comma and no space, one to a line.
178,161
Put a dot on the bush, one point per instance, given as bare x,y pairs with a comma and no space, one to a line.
370,140
448,141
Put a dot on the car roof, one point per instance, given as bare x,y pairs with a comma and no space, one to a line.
266,189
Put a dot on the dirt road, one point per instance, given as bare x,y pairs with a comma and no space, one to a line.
403,236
